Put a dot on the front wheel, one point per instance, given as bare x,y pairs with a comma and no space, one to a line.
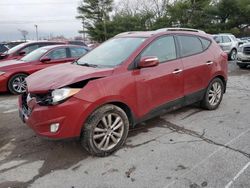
105,131
17,84
213,95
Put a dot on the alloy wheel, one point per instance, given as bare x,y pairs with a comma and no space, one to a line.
108,132
19,84
215,94
233,55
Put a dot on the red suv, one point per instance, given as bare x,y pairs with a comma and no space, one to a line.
126,80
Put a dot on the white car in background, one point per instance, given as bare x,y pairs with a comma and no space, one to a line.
243,56
228,43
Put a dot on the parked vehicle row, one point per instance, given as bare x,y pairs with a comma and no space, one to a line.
23,49
3,48
126,80
14,71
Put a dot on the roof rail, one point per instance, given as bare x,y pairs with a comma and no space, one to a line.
180,29
127,33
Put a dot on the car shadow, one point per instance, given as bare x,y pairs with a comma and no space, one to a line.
57,155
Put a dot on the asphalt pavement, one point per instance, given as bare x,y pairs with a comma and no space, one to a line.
189,147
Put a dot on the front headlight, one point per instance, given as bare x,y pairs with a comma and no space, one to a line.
1,73
59,95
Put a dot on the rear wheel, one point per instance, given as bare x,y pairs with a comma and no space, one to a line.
17,84
105,131
214,95
233,55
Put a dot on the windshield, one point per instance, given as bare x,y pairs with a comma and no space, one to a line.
16,48
111,53
35,55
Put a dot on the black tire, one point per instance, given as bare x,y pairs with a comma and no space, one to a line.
95,119
233,55
11,82
206,102
242,66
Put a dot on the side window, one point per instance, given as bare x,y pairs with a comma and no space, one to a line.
44,44
206,43
190,45
30,48
57,54
77,52
226,39
163,48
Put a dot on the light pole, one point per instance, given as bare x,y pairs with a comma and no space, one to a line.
36,26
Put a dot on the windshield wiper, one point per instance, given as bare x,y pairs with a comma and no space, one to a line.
87,65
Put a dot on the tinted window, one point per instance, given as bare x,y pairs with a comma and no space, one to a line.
163,48
226,39
80,43
30,48
48,44
77,52
190,45
3,48
57,54
206,43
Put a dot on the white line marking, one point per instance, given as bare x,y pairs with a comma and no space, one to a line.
238,175
209,156
10,111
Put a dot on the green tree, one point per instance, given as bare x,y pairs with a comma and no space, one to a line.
95,15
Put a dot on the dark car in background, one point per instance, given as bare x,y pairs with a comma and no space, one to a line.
3,48
12,44
23,49
14,72
77,42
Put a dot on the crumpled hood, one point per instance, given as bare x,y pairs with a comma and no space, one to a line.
62,75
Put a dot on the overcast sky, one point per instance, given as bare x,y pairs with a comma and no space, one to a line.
55,17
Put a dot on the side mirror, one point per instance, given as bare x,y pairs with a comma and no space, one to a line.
22,53
146,62
45,59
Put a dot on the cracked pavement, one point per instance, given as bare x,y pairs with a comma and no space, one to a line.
189,147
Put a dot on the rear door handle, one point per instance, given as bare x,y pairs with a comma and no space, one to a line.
209,62
177,71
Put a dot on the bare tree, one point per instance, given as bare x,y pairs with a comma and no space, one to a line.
156,7
24,33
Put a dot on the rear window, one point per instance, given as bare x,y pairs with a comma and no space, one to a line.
205,42
190,45
226,39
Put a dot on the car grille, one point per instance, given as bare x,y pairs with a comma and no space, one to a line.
246,50
42,99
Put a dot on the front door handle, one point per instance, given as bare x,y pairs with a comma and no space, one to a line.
209,62
177,71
